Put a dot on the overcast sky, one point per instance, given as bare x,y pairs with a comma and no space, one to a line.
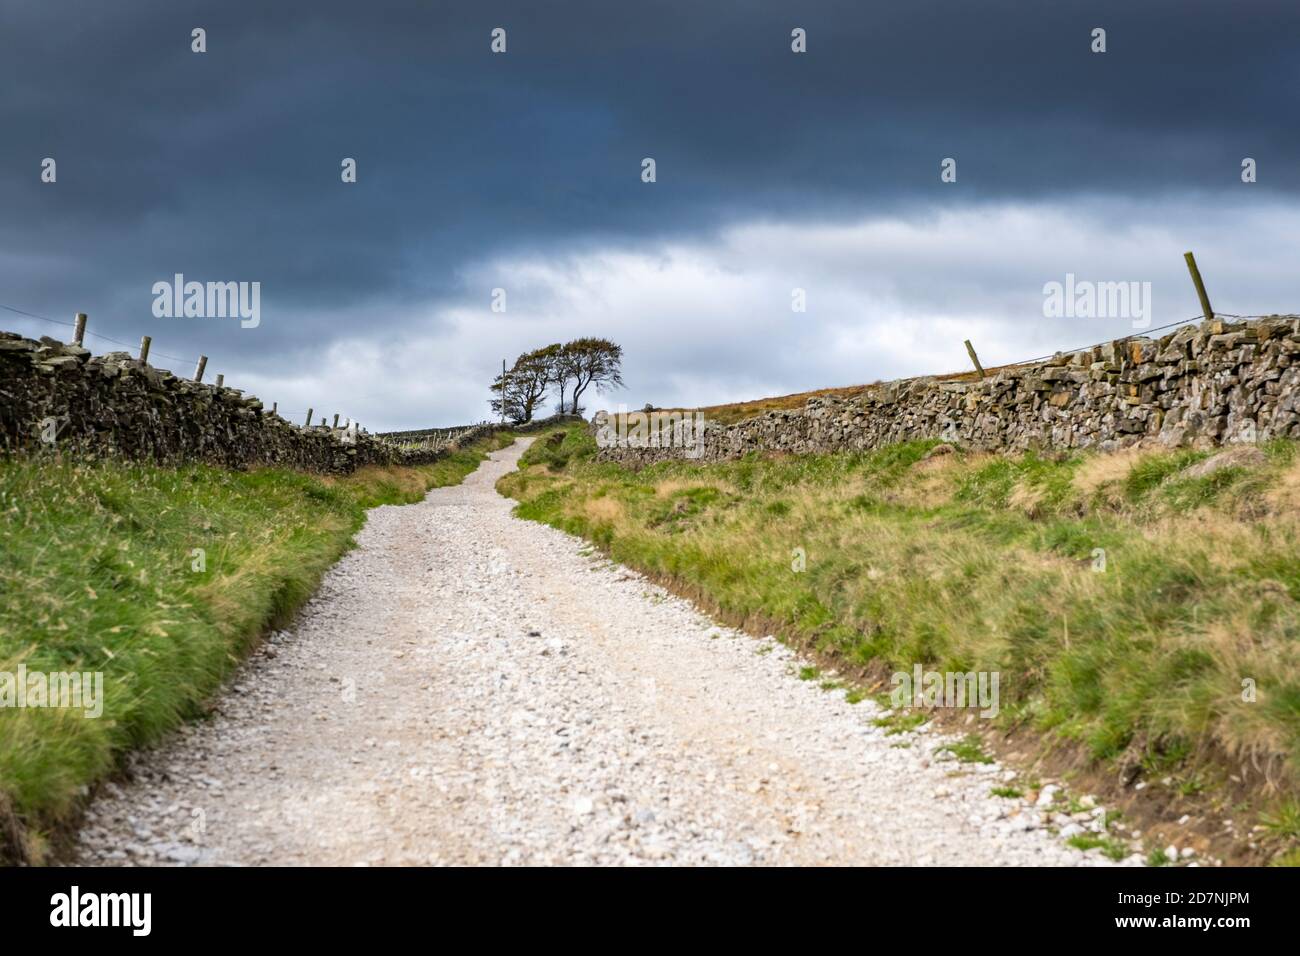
522,171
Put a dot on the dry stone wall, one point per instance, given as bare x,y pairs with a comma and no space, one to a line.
1202,385
467,433
58,396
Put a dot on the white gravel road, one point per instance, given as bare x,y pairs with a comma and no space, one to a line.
470,688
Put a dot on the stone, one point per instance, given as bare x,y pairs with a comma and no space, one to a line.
1242,457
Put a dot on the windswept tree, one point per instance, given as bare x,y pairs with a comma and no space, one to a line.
521,389
581,364
586,362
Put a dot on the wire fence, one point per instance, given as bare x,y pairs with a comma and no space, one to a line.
1137,334
1144,333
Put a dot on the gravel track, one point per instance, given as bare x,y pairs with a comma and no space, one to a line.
470,688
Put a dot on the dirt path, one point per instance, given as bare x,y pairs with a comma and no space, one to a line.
467,687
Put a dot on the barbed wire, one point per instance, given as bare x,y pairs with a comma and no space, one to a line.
1160,328
1141,333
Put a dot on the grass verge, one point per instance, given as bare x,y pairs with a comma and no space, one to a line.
161,579
1146,617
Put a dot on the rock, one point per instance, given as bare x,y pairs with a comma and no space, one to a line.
179,853
938,450
1243,457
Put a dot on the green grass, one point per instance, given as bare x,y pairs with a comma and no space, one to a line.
1123,604
1110,847
97,574
1158,857
900,722
1283,821
970,749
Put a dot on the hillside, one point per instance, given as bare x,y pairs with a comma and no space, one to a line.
1141,607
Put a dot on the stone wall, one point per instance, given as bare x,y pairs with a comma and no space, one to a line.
116,405
467,433
1202,385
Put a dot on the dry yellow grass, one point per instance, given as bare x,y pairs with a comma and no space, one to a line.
604,510
1284,496
671,486
406,481
1027,499
1098,470
731,412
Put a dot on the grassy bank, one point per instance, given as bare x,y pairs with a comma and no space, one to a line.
100,571
1123,600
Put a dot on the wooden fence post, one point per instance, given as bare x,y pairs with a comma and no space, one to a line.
274,406
970,350
144,348
221,380
198,372
309,411
336,419
1200,285
80,334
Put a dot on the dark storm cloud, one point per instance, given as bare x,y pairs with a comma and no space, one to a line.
225,166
